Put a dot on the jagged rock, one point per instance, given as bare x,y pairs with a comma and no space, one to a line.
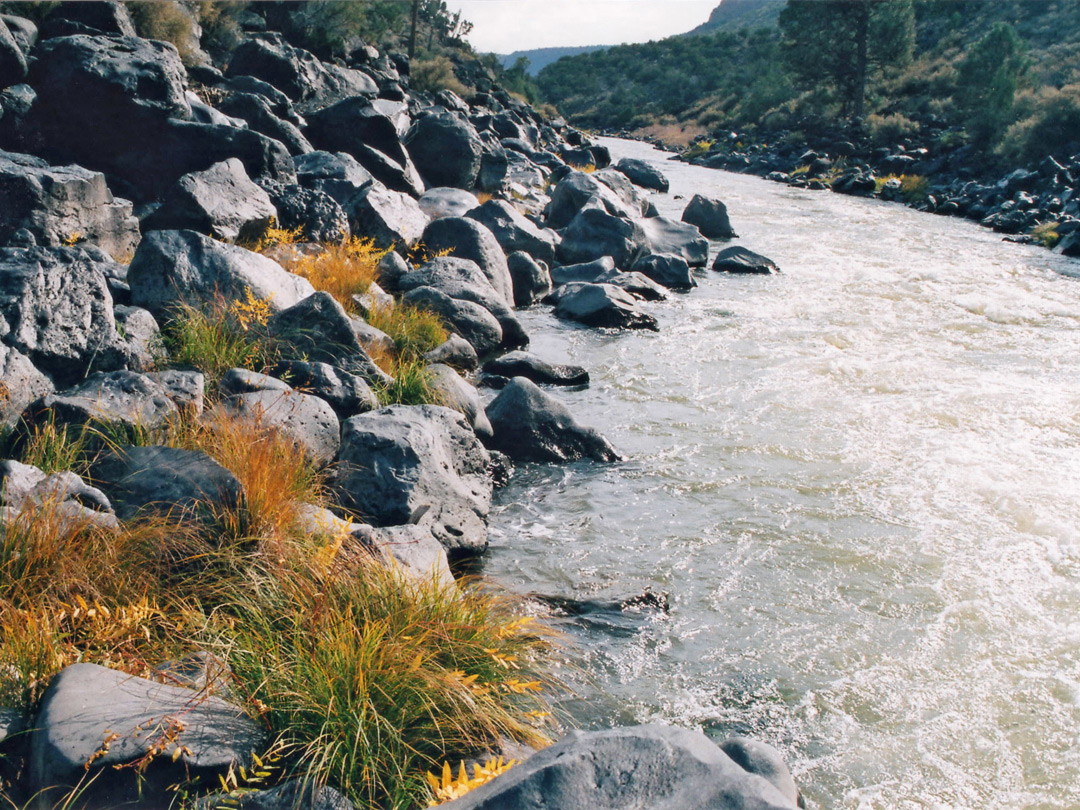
624,189
514,232
55,307
336,174
454,392
12,58
417,464
174,267
308,420
346,393
221,201
446,150
296,72
602,305
659,767
319,329
671,271
24,32
203,113
590,272
671,238
710,216
258,112
389,217
413,548
58,204
531,425
85,704
456,352
533,368
595,233
319,216
464,238
20,384
741,260
117,398
184,387
642,173
447,202
578,190
183,485
532,280
473,322
140,334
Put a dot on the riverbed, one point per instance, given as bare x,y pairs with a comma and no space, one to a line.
859,483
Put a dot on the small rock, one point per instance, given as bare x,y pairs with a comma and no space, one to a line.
523,364
741,260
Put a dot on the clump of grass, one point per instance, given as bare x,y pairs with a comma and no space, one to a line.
698,148
412,385
342,270
415,331
588,168
914,188
1046,234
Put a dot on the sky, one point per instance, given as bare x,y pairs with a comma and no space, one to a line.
504,26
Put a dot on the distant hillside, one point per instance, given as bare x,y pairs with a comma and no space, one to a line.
540,58
732,15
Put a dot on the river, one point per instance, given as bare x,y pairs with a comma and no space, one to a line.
859,482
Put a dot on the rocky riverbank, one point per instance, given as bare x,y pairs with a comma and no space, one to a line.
137,191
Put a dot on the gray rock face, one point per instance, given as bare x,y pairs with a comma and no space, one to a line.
710,216
469,320
514,232
578,190
238,381
105,16
638,285
670,271
56,308
20,384
417,464
595,233
469,239
12,58
644,174
454,392
456,352
391,218
221,201
602,305
670,238
531,425
741,260
294,71
658,767
258,113
524,364
756,757
346,393
174,267
180,484
139,332
184,387
337,174
86,704
58,203
309,421
74,503
447,202
624,189
117,398
446,149
590,272
532,280
413,548
318,215
23,31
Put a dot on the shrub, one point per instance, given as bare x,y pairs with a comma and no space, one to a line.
342,270
1050,126
168,22
888,130
1046,234
435,74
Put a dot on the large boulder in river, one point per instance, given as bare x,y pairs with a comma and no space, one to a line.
221,201
94,721
653,766
741,260
532,279
671,271
710,216
671,238
176,267
454,391
465,238
417,464
642,173
60,203
601,305
594,233
578,190
514,232
446,149
56,308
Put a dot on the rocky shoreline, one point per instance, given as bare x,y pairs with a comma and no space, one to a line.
134,186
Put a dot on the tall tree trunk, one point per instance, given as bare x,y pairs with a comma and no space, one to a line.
862,35
412,30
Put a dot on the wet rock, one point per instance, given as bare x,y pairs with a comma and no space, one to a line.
681,239
446,149
454,392
456,352
221,201
524,364
651,766
602,305
594,233
531,425
671,271
417,464
463,238
307,420
86,704
180,484
124,398
447,202
346,393
389,217
57,204
531,279
638,285
644,174
514,232
741,260
710,216
174,267
20,384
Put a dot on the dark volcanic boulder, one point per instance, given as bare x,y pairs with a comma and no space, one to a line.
655,767
258,112
391,218
642,173
741,260
337,174
514,232
57,204
12,58
710,216
318,215
174,267
671,238
180,484
469,320
454,351
101,16
267,56
671,271
523,364
69,499
464,238
446,150
220,201
124,398
55,307
602,305
590,272
455,392
86,705
346,393
417,464
307,420
576,191
594,233
532,280
20,384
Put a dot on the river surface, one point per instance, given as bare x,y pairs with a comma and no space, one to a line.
859,482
